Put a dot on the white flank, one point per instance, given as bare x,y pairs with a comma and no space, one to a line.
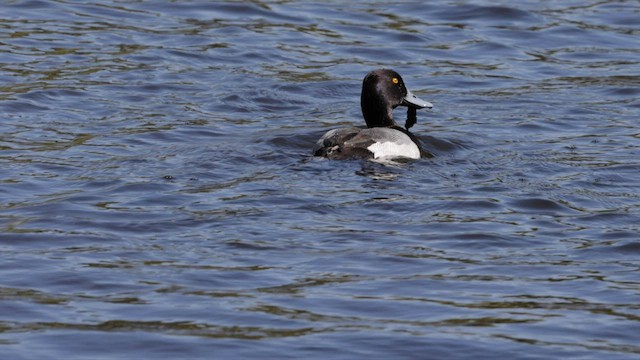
394,150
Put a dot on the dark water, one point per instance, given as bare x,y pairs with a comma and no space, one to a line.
158,200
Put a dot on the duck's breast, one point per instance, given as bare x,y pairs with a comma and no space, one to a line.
386,143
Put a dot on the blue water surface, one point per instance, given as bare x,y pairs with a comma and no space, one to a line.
159,200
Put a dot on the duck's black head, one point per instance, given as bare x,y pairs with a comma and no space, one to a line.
382,91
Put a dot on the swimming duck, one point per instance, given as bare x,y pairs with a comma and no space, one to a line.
382,91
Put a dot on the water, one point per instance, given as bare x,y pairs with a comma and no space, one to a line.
158,199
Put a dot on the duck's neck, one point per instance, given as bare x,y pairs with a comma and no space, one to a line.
376,112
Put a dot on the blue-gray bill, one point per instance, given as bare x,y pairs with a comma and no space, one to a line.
413,103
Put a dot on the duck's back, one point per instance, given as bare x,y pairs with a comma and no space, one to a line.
377,143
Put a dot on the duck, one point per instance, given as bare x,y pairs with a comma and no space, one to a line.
382,139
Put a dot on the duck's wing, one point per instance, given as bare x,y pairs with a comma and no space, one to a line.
342,143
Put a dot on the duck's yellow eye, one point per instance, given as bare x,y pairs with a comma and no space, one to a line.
395,80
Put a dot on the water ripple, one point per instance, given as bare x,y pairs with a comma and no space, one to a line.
158,195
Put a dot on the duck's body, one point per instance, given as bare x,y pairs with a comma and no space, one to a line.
377,143
382,91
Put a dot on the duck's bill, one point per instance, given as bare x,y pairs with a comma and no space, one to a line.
415,102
